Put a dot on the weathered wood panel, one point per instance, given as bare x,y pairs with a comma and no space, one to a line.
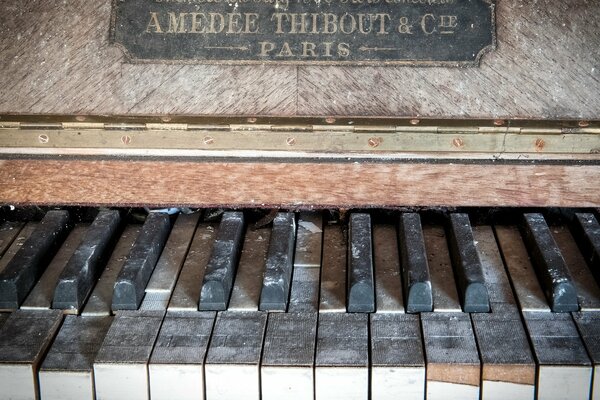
55,59
295,185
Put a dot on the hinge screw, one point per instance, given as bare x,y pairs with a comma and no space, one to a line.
330,120
458,142
125,139
43,138
415,121
290,141
539,144
208,140
498,122
584,124
374,141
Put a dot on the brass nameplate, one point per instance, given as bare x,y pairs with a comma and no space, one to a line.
353,32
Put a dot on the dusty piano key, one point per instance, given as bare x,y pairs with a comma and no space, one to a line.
135,273
8,233
66,372
221,268
453,369
342,356
388,284
161,283
99,302
278,270
443,287
121,365
288,356
467,265
588,324
245,295
415,268
234,356
83,268
361,288
187,289
40,297
508,367
333,274
587,232
24,338
309,240
564,370
588,292
3,318
549,264
397,360
520,271
176,364
304,294
25,268
17,243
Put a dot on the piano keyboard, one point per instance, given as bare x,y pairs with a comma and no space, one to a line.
379,305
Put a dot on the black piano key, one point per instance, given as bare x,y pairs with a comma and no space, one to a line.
549,264
25,268
587,232
467,265
280,258
415,268
361,289
131,283
220,270
76,280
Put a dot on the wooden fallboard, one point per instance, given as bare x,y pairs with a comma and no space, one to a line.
55,58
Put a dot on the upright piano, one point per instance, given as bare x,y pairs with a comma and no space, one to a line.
303,199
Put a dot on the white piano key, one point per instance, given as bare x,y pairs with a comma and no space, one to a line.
520,271
163,278
121,366
248,281
453,368
99,303
287,368
304,294
24,339
40,297
16,244
443,286
588,323
232,369
8,233
342,357
588,292
397,360
564,371
66,372
333,271
187,289
176,364
388,284
309,240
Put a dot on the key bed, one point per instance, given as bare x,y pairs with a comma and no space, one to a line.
316,342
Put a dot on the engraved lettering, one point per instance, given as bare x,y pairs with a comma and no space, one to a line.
347,24
330,23
153,24
343,50
448,24
308,49
404,26
217,23
427,24
197,24
382,28
266,48
233,24
285,50
251,23
176,23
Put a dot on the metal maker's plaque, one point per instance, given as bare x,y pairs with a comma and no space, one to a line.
354,32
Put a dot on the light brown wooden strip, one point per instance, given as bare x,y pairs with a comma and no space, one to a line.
293,184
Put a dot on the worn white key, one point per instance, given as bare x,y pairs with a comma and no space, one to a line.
24,339
248,281
40,297
232,369
99,303
161,283
588,292
443,286
309,240
176,364
388,284
588,324
187,289
121,366
342,357
453,369
304,294
287,368
520,271
397,360
66,372
333,271
16,244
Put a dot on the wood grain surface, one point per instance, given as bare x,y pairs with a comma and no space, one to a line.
295,185
55,59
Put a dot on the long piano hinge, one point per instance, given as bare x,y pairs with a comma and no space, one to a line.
304,138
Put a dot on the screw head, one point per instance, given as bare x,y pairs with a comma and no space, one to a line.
539,144
499,122
251,120
583,124
458,142
165,119
43,138
125,139
208,140
374,141
330,120
290,141
80,118
415,121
